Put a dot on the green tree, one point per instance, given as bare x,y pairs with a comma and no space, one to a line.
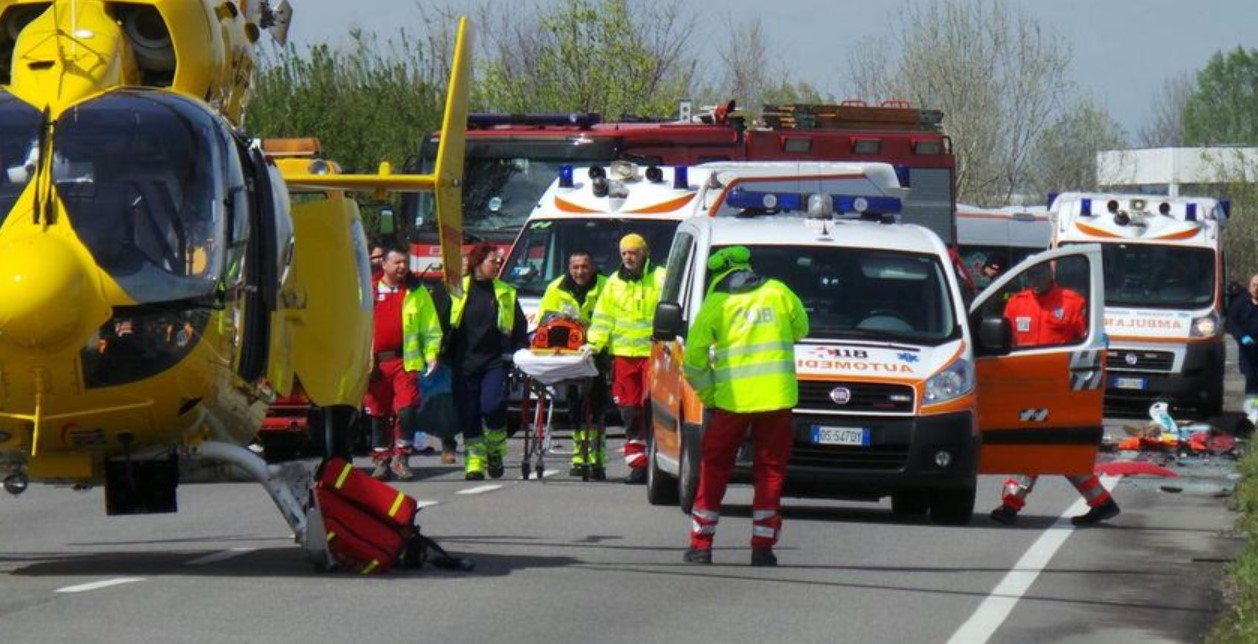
614,57
1223,110
1064,157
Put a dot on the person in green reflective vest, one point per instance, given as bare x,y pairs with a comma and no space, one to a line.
622,327
487,325
574,295
740,360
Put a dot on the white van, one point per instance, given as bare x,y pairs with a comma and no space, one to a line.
904,391
1007,235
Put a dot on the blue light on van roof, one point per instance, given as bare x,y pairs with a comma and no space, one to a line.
1085,207
565,176
794,202
867,205
681,178
1190,213
747,199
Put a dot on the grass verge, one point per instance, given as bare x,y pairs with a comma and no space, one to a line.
1240,624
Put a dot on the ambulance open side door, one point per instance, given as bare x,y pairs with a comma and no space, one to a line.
1040,395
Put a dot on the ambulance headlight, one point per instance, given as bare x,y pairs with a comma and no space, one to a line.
956,380
1205,326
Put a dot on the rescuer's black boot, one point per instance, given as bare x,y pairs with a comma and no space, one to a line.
1102,512
763,557
697,556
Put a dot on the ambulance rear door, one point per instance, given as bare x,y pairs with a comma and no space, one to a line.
1040,404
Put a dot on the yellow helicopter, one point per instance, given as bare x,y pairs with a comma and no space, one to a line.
157,286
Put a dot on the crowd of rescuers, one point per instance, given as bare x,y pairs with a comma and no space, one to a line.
474,334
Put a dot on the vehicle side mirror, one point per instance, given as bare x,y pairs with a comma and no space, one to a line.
995,336
668,323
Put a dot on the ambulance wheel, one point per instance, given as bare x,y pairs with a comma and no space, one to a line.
952,507
688,471
910,503
661,488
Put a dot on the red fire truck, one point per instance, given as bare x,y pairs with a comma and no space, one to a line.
511,159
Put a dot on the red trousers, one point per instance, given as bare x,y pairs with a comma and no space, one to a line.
629,387
772,437
392,389
1016,489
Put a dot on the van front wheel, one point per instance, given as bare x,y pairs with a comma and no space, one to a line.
952,507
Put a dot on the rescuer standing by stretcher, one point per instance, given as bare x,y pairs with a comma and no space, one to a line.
740,360
406,340
574,295
486,327
622,325
1044,315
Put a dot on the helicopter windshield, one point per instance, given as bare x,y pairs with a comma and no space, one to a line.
19,129
139,174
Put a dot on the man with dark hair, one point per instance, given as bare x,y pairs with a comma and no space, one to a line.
574,295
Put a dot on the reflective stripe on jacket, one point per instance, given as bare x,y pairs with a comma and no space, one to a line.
740,352
504,294
558,299
624,314
421,330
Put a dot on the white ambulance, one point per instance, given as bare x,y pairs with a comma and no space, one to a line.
904,391
1164,302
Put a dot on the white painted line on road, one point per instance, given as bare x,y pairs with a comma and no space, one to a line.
216,557
996,608
97,585
424,504
480,489
549,473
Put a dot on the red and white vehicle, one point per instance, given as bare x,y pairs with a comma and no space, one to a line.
511,159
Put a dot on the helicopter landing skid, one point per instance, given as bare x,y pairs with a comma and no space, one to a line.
289,484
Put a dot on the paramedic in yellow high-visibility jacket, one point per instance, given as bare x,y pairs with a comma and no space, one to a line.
740,360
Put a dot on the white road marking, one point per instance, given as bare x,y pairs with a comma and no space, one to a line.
97,585
480,489
216,557
549,473
425,504
996,608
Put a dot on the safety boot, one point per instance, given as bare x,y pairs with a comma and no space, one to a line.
1102,512
496,451
400,469
381,459
697,556
763,557
637,476
1005,515
474,458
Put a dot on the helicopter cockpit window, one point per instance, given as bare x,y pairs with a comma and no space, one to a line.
140,175
19,132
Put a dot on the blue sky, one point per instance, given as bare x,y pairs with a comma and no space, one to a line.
1123,50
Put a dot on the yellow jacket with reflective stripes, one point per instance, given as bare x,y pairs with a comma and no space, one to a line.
624,313
504,294
421,330
559,300
740,351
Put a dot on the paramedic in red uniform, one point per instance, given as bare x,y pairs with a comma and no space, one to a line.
1045,314
405,341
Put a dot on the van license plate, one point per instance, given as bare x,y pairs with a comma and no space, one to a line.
858,436
1129,383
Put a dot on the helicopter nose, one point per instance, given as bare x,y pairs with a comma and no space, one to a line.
42,292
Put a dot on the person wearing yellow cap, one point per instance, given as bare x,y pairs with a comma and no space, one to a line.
740,361
622,326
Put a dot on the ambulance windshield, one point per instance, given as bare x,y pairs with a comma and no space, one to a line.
1158,276
864,293
541,253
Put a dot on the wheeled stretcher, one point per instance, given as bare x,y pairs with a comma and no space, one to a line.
547,372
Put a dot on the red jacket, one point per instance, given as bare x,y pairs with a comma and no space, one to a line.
1056,317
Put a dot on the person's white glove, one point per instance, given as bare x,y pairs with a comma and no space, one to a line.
432,368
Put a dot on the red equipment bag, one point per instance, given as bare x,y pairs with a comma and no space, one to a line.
377,498
559,333
357,539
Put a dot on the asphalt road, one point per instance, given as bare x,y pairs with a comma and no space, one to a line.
566,561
